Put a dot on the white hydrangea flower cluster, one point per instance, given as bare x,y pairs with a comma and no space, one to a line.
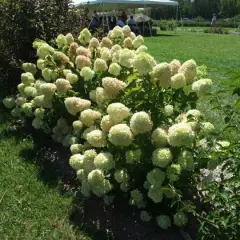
75,105
109,102
141,123
112,87
162,75
180,134
144,63
189,70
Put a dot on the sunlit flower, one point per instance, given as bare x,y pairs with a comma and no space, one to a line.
126,57
96,138
159,137
82,61
202,86
61,40
100,65
140,123
106,42
112,86
189,70
88,117
162,74
118,112
94,43
106,123
75,104
115,69
85,36
138,41
175,65
127,43
178,81
83,51
120,135
69,38
29,67
63,85
144,63
104,161
27,78
87,73
162,157
180,134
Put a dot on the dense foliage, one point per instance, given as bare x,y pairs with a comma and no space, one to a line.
131,123
21,22
203,8
222,192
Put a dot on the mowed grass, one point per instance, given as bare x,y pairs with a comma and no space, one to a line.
220,53
30,209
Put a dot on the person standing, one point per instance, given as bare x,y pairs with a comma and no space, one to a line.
95,15
214,20
124,17
120,22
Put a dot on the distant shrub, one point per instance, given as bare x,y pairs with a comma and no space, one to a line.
163,24
219,23
172,24
168,25
216,30
199,19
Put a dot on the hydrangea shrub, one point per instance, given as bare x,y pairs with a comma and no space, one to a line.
130,122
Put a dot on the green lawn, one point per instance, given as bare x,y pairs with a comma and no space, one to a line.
219,52
29,208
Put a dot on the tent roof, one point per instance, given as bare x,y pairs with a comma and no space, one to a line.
122,4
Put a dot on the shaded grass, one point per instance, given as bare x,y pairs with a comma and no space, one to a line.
30,209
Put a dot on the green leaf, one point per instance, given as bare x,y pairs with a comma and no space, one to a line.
237,91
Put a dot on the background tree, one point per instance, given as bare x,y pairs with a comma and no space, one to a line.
21,22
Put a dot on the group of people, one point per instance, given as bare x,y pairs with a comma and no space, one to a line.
107,23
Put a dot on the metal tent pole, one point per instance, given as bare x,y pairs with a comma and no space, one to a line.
143,19
93,16
176,19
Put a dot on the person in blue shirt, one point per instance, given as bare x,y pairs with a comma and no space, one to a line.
131,21
120,23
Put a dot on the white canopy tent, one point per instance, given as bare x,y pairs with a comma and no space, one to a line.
113,5
109,5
